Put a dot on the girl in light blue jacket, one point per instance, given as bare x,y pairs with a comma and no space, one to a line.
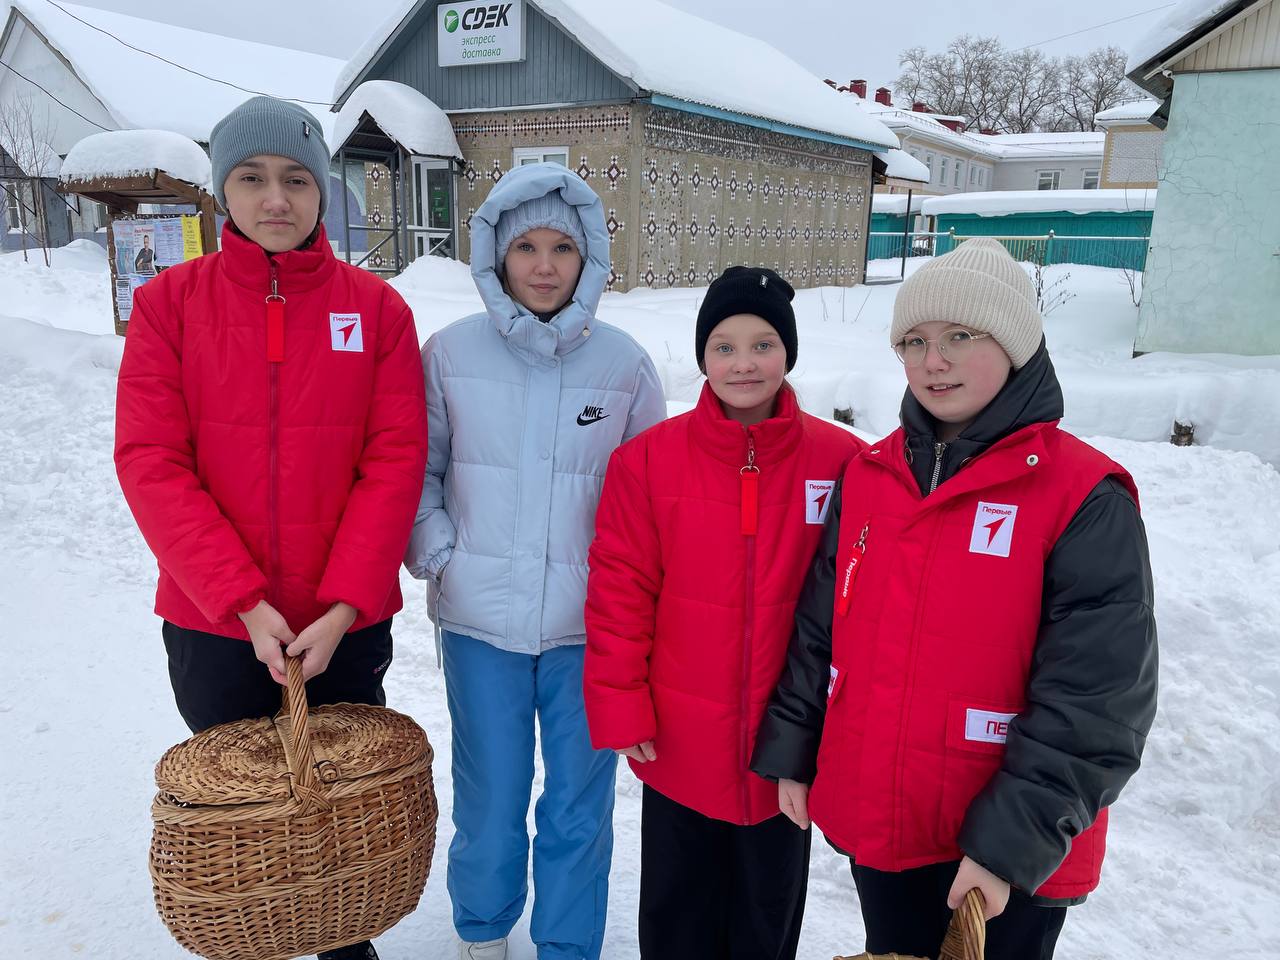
525,403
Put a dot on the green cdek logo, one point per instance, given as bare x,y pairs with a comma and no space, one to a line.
451,21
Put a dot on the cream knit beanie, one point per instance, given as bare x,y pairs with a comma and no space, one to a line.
979,286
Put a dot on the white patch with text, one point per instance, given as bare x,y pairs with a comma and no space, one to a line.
986,726
817,500
345,333
993,529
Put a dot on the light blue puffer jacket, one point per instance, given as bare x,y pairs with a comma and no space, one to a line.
518,446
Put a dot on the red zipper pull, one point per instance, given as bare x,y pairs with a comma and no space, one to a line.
750,475
851,572
275,322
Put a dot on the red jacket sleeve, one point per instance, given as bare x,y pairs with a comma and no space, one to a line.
364,562
622,599
155,460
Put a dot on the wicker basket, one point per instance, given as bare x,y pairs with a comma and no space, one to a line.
278,838
966,935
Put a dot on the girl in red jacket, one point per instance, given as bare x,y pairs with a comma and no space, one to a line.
271,441
705,526
973,669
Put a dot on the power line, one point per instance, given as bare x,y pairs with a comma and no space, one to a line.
1096,26
197,73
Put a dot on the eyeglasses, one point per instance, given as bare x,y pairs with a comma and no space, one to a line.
954,345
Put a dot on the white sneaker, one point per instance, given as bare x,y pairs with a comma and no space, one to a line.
484,950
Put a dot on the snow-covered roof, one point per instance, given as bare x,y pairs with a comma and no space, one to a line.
1175,26
403,114
1038,146
1135,111
141,92
1001,146
1001,202
133,153
730,71
896,203
901,165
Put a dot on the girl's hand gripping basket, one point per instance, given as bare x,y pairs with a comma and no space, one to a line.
966,936
277,838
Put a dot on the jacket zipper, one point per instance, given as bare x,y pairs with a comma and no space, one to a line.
938,450
750,474
275,356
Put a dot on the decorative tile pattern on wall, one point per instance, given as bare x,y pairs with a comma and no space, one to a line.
700,193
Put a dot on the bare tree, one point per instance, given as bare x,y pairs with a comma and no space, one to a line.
25,136
1093,83
1032,86
1016,91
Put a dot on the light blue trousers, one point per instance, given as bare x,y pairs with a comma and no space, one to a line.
494,697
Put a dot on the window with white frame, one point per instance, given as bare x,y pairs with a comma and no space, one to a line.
1048,179
959,174
1091,179
973,174
982,176
12,207
943,170
522,156
928,162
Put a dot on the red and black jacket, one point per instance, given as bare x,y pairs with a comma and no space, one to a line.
973,668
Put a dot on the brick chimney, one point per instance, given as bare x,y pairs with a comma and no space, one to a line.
919,107
859,87
831,84
953,125
987,132
882,96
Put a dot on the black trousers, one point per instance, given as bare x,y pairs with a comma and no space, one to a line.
711,890
907,913
218,679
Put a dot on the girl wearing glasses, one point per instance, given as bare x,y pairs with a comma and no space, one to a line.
973,670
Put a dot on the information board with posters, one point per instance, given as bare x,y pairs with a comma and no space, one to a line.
475,33
146,245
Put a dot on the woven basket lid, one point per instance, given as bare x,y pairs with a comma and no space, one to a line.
244,762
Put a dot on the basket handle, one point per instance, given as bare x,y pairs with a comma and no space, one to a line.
300,755
966,937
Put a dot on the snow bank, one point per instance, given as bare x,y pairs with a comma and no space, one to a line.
403,113
903,166
1172,27
1001,202
667,51
132,153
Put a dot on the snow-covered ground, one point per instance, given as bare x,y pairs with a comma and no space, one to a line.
85,708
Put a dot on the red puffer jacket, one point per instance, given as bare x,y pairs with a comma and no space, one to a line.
275,450
703,536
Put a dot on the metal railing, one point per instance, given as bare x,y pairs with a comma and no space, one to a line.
1126,253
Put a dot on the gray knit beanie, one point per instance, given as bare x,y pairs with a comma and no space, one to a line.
272,127
980,286
550,211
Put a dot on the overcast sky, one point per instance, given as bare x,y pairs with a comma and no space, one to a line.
844,41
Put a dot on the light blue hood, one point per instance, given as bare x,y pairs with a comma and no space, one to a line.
573,325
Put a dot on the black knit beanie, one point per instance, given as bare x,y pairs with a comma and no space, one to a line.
754,290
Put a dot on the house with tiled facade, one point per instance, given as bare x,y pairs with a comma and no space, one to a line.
709,148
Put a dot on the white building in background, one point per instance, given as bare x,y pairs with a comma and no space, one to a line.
960,160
